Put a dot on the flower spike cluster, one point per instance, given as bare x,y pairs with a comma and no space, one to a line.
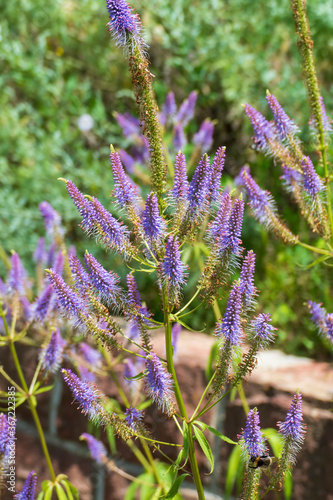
28,491
85,394
158,384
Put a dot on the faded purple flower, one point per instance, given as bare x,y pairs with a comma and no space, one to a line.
204,137
230,329
179,139
176,329
52,354
39,255
292,428
153,224
329,327
180,183
96,448
91,356
17,277
253,439
52,219
263,130
85,394
133,418
122,21
284,125
186,109
42,306
327,124
290,177
127,160
28,491
169,109
129,124
313,184
158,383
4,433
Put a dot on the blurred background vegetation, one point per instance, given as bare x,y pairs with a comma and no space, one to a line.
57,62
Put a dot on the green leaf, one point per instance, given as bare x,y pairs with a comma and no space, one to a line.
214,431
48,493
139,376
175,487
235,467
71,491
204,445
185,438
44,389
131,491
60,492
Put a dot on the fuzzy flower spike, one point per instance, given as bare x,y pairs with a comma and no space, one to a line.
173,269
85,394
123,23
28,491
158,384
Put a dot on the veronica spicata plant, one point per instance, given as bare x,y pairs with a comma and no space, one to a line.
81,302
307,179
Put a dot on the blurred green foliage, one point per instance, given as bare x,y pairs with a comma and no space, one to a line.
57,63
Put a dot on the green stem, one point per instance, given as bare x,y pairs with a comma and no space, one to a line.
180,402
315,249
32,409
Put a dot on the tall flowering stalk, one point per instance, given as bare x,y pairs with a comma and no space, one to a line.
125,27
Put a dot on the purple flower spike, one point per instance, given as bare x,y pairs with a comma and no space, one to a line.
39,255
51,355
284,125
52,219
96,448
71,304
85,394
4,433
292,429
122,21
312,182
158,383
153,224
17,276
204,137
79,274
263,130
329,327
318,315
247,278
179,139
124,191
83,206
28,491
186,110
220,224
253,439
173,267
230,327
231,239
58,264
259,200
180,183
133,418
111,231
216,172
129,124
199,185
262,329
327,124
105,282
